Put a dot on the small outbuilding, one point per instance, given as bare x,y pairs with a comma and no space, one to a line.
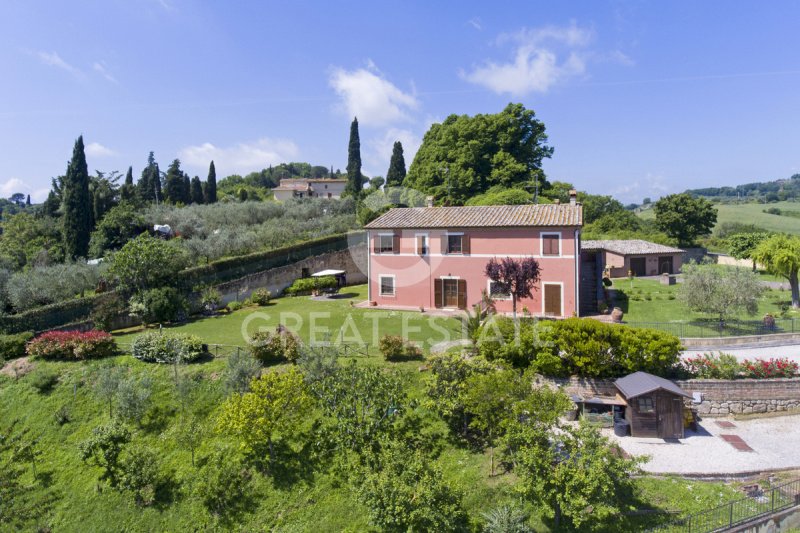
641,258
655,405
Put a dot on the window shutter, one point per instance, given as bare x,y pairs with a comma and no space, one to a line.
396,243
376,244
465,244
437,290
444,244
420,244
462,294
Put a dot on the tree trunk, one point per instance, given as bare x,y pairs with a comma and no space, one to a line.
754,265
514,305
557,514
491,460
795,290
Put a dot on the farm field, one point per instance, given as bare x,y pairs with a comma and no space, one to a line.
752,214
305,495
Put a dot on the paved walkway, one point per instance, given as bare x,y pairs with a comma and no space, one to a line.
792,352
739,447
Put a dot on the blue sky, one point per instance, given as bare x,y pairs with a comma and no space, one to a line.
639,98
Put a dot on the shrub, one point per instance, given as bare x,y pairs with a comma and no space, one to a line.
500,339
261,297
72,345
43,380
107,308
154,346
395,348
309,285
711,366
769,368
155,306
234,306
13,346
62,415
241,369
210,299
222,483
133,398
140,474
275,347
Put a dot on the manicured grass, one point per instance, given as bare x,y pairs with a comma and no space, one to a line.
331,320
308,496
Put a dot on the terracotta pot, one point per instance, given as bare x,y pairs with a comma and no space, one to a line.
616,315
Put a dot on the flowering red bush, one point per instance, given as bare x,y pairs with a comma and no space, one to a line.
769,368
72,345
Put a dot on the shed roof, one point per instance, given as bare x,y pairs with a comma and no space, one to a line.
630,247
480,216
639,383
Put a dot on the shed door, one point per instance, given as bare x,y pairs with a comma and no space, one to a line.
552,300
639,266
669,410
665,265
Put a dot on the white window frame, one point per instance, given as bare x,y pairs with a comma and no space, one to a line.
394,285
560,244
489,292
561,285
427,244
380,245
447,251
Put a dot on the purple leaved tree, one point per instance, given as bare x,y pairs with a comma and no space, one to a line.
517,277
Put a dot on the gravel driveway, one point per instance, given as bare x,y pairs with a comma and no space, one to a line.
774,443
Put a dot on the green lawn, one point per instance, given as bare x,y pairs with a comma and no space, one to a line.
647,300
309,498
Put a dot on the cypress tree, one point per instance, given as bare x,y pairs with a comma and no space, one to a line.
127,190
397,167
186,195
173,183
197,191
355,181
150,182
28,201
77,204
211,185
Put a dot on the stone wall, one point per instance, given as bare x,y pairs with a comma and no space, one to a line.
353,261
719,397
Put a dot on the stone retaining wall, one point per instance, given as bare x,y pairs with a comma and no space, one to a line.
719,397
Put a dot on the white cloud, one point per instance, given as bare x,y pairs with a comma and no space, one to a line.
633,191
100,67
15,185
52,59
379,150
475,22
542,58
242,158
98,150
368,95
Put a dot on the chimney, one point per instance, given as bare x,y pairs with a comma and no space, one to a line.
573,197
429,201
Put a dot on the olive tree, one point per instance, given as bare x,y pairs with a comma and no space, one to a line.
719,290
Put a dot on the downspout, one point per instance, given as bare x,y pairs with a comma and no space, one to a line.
577,272
369,266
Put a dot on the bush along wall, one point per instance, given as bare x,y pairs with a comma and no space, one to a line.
13,346
72,345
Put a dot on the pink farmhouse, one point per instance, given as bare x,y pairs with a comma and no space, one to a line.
434,257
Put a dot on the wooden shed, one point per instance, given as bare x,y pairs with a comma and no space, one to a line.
655,405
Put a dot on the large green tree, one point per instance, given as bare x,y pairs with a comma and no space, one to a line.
174,187
150,183
684,217
355,180
196,194
211,185
146,262
397,167
780,254
465,156
77,204
742,245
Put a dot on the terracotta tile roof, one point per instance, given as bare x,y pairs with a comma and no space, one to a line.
489,216
630,247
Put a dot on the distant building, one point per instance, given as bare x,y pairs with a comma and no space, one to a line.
309,188
642,258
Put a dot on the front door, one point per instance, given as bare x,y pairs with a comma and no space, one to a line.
639,266
450,292
552,299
